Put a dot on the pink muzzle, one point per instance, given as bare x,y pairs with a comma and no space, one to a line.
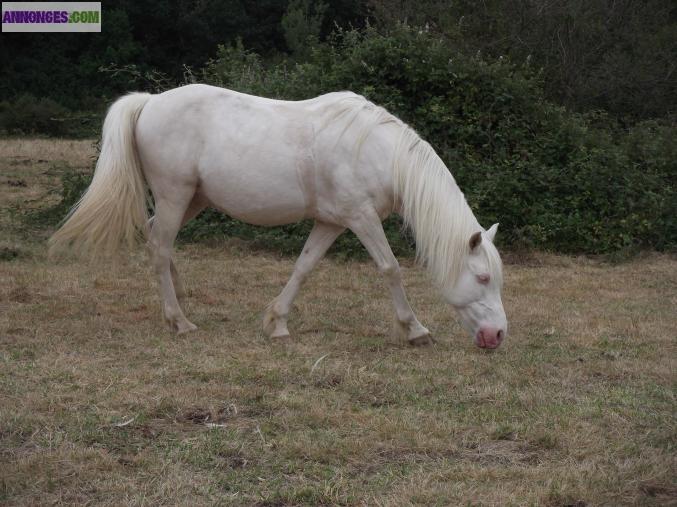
489,337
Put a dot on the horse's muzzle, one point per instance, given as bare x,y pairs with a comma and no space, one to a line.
489,337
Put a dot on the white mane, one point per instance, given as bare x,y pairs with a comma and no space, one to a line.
432,204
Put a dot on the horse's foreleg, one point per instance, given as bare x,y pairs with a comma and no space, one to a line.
166,224
320,239
369,231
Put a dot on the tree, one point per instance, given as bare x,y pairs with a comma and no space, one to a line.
302,24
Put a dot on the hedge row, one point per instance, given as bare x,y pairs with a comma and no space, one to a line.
553,179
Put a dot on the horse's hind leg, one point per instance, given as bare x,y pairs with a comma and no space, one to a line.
168,218
194,208
320,239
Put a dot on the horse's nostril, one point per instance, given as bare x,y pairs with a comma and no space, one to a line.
499,335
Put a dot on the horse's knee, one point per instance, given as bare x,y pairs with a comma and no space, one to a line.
390,269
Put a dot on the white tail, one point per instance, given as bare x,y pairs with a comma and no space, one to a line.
114,210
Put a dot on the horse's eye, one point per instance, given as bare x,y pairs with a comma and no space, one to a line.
483,279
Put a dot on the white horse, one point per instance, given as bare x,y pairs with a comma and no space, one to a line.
337,159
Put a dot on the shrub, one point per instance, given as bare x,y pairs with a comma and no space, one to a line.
288,239
30,115
553,179
73,185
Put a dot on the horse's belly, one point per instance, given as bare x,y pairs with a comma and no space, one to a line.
256,198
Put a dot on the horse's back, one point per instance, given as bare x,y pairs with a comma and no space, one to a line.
176,100
197,110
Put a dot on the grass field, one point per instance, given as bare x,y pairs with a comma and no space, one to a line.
101,405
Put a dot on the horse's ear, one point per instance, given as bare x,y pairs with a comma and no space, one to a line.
475,240
491,232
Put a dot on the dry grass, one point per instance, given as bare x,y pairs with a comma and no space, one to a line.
99,404
30,171
75,152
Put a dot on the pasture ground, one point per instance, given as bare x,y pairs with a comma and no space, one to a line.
101,405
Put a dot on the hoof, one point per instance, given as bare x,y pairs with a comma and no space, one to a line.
421,341
280,335
274,325
268,325
181,327
187,327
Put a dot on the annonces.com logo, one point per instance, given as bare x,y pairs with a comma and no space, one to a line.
51,16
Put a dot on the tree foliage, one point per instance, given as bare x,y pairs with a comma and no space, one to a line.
302,24
553,179
618,56
556,118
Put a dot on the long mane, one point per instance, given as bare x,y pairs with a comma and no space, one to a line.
431,203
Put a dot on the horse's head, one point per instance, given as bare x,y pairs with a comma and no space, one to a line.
477,291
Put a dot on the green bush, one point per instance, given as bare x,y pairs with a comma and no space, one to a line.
288,239
73,185
553,179
28,115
